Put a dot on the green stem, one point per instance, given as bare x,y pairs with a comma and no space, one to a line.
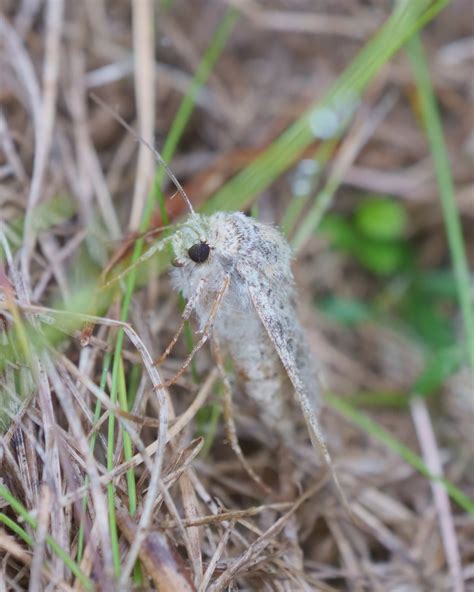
57,549
439,154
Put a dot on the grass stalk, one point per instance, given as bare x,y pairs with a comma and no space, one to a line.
435,137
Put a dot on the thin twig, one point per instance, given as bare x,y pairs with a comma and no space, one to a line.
427,440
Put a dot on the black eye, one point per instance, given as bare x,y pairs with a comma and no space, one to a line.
199,252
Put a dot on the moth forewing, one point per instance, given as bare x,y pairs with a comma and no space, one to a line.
278,316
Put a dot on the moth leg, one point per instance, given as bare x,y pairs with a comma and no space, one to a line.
206,332
190,305
229,418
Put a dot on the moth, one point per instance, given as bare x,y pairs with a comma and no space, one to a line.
235,274
244,266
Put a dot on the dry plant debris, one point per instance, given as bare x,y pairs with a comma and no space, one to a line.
106,480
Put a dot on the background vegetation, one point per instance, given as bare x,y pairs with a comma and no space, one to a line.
348,124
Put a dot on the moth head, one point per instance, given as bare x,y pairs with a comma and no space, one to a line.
191,244
219,239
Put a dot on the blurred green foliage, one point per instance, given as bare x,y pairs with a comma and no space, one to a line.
417,301
374,235
381,218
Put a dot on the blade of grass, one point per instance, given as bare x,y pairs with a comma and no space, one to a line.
111,451
185,111
17,529
57,549
406,19
321,157
434,134
127,443
377,432
186,107
350,148
128,453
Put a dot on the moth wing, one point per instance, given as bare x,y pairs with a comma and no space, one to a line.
285,338
276,326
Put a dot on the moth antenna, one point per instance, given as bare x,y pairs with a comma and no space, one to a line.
134,236
150,147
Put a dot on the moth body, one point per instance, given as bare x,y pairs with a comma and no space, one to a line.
256,320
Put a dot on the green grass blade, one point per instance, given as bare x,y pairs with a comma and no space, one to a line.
318,209
57,549
377,432
186,109
17,529
439,153
203,72
128,453
111,452
127,443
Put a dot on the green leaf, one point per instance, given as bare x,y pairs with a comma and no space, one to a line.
346,311
426,317
383,258
338,231
381,218
439,283
439,367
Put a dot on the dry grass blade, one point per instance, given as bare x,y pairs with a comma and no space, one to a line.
38,556
431,455
215,558
143,39
12,548
44,116
258,546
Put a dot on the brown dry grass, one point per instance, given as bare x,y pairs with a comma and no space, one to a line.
201,523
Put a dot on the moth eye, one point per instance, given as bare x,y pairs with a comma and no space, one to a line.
199,252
